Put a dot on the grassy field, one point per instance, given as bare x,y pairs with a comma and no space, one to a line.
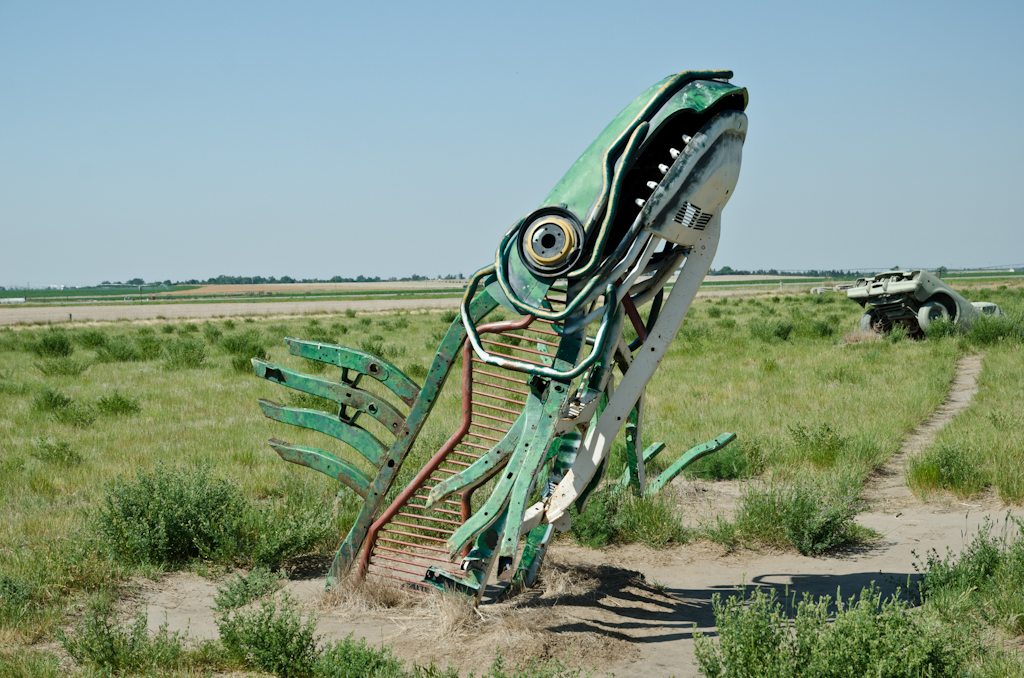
81,407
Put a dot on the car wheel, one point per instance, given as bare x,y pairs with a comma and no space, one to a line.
930,312
867,322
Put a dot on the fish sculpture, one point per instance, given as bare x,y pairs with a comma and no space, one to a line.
544,333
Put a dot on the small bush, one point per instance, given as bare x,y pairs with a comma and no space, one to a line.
349,313
355,659
339,329
820,445
55,343
50,400
767,330
62,367
728,464
99,641
243,346
172,515
942,328
868,637
242,590
58,452
619,517
365,323
149,347
374,346
447,317
212,333
715,312
315,366
272,638
898,333
167,329
117,404
811,518
92,338
188,328
946,466
417,371
119,349
987,330
185,354
311,402
229,324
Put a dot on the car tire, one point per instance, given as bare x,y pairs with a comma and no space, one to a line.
929,312
867,322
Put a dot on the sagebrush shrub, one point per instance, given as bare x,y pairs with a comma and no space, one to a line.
988,329
348,658
448,317
212,332
272,638
92,338
118,404
101,642
172,515
243,346
243,589
769,330
183,354
54,343
65,366
57,452
866,636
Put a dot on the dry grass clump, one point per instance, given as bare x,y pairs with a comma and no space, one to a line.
368,595
860,336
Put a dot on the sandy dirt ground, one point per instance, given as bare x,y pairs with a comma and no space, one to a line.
627,611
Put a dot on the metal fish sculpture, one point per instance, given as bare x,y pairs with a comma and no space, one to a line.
540,406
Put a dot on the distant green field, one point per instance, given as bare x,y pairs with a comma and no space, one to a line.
104,291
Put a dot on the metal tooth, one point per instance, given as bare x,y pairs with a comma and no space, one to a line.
674,152
663,169
652,185
687,138
640,202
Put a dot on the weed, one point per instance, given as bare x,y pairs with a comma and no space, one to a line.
715,312
64,409
768,365
728,324
770,330
272,638
365,322
229,325
728,464
349,658
942,328
898,333
212,333
15,599
50,400
11,340
188,328
311,402
92,338
869,636
946,466
349,313
117,404
99,641
65,366
339,329
619,517
448,317
55,343
417,371
243,346
244,589
374,346
58,452
183,354
167,329
315,366
987,330
820,445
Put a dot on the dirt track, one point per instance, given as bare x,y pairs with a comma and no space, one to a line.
62,314
631,610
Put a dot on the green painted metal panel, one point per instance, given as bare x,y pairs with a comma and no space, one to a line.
349,358
650,453
691,455
325,463
360,439
343,394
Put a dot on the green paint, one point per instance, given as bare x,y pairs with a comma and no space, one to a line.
351,359
325,463
360,439
692,455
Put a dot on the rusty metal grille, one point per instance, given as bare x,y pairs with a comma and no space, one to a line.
409,538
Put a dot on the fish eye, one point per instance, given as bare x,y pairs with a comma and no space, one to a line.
551,241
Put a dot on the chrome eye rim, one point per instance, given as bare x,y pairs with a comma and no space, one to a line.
551,241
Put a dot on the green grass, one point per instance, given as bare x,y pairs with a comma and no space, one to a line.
797,404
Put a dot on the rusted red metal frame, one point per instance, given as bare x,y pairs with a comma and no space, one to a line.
446,449
634,317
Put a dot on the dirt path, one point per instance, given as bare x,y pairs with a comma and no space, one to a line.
887,490
630,611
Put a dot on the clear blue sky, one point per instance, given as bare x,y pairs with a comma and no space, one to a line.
190,139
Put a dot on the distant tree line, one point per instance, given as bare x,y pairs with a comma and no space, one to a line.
809,273
285,279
